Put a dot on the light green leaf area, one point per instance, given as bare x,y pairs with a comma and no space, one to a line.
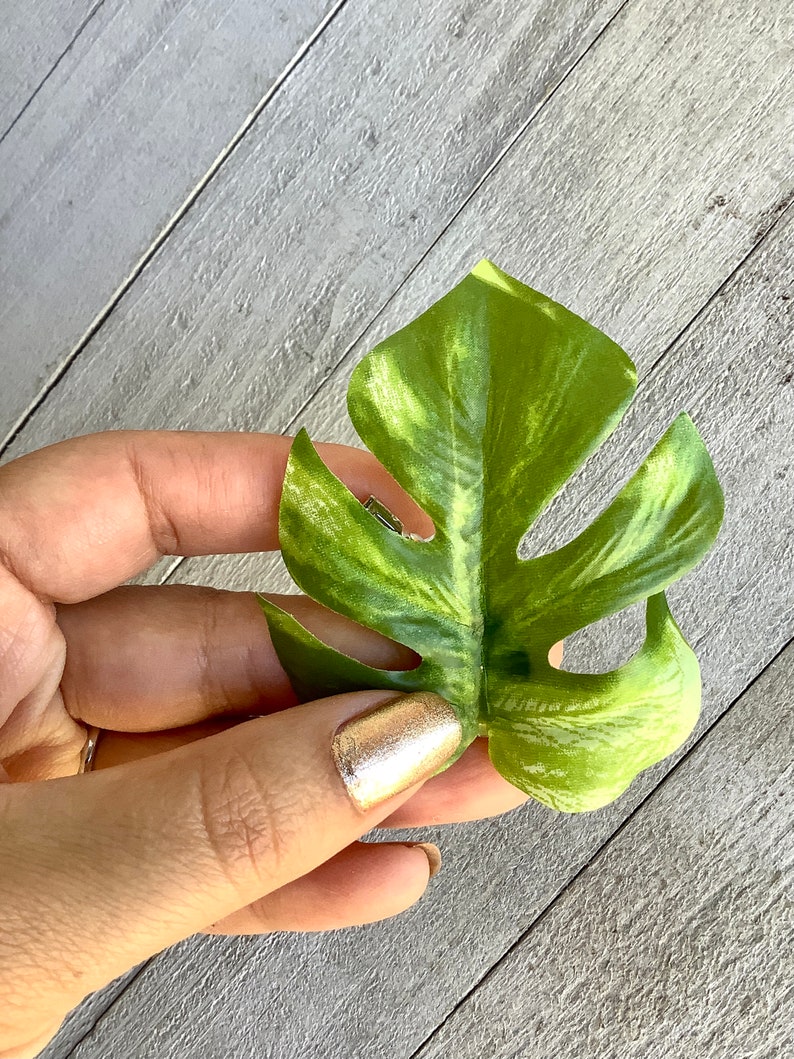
481,409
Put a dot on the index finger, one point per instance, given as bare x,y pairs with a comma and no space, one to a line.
82,516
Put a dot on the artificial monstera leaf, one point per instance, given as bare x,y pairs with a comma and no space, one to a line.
481,409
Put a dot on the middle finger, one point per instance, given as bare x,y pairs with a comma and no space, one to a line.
148,658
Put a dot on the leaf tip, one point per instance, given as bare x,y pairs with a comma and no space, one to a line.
691,440
487,272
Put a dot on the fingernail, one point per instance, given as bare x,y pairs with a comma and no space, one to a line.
393,746
433,854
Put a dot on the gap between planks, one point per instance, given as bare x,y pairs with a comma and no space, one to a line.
780,212
224,155
100,1012
79,32
192,197
598,853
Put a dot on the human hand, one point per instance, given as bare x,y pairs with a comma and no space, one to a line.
192,819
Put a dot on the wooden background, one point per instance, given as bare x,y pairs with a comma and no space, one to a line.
210,209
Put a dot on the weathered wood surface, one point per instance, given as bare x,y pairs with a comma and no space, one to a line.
118,138
34,37
365,155
256,296
679,938
653,172
382,990
78,1023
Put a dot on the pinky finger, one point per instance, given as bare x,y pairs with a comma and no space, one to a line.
364,883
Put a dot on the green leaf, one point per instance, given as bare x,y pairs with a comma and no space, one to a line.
481,409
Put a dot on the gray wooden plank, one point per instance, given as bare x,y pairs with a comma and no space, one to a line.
79,1022
381,990
371,146
515,77
33,37
263,979
679,938
118,138
300,243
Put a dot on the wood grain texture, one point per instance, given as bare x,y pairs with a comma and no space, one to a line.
679,938
33,38
622,128
381,990
79,1022
361,160
294,248
113,144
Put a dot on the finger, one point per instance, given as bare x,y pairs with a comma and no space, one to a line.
82,516
205,653
364,883
186,838
471,789
145,658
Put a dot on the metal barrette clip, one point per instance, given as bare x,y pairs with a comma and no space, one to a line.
386,518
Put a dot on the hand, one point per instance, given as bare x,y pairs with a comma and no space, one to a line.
204,821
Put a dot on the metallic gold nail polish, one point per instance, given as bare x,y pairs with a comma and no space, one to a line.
391,747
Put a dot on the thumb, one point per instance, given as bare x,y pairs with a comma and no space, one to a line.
141,855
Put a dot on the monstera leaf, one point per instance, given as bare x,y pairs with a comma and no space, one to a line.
481,409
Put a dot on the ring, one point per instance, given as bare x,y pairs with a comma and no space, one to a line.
88,752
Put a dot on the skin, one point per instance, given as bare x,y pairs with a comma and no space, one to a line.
195,817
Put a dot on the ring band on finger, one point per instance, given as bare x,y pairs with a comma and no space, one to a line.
88,753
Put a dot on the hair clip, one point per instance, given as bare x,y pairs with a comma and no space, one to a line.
386,518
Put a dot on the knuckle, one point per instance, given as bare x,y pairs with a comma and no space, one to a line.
247,827
217,696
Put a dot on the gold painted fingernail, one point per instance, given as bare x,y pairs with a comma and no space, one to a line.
391,747
433,854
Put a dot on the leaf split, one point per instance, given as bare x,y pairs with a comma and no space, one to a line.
481,408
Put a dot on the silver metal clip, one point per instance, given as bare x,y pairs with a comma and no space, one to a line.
383,515
386,518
